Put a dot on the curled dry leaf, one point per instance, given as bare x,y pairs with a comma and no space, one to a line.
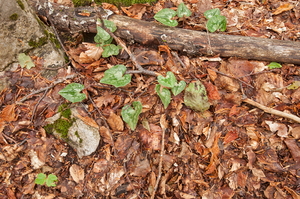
281,129
77,173
92,54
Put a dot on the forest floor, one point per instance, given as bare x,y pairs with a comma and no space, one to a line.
232,150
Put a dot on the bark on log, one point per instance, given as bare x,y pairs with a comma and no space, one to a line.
188,41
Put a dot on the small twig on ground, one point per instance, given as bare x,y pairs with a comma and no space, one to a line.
49,87
33,114
238,79
104,120
163,126
178,59
124,165
122,44
257,73
272,111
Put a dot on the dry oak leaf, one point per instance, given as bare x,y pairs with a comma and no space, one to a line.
77,173
282,8
115,122
89,121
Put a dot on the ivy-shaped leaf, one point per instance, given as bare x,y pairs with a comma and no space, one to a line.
273,65
50,180
168,81
114,76
165,17
130,115
72,92
216,23
102,35
211,13
40,179
164,94
183,10
110,49
25,60
178,88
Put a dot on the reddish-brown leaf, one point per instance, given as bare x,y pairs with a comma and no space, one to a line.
230,136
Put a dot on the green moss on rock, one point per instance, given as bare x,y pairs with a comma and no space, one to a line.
78,3
40,42
118,3
21,4
14,17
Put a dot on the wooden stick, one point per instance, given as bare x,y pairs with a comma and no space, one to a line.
272,111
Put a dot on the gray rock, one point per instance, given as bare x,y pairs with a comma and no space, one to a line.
21,31
87,139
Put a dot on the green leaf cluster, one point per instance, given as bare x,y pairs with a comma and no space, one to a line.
72,92
216,21
130,115
104,40
114,76
41,179
274,65
165,15
168,82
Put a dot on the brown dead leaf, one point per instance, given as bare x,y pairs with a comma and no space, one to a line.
105,135
280,128
135,11
292,192
149,58
100,166
115,122
89,121
282,8
77,173
91,55
212,74
151,140
212,91
230,136
294,149
141,166
8,114
258,173
105,99
110,7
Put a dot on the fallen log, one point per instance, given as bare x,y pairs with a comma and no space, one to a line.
189,41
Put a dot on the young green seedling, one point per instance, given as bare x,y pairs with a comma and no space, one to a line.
72,92
216,21
41,179
114,76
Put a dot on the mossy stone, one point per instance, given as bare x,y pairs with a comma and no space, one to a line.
21,4
118,3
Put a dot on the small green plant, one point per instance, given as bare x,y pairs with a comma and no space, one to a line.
114,76
103,39
41,179
72,92
215,21
274,65
130,115
165,15
168,82
195,97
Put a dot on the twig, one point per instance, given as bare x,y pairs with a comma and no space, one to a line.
178,59
101,115
272,111
257,73
162,124
122,44
124,165
38,104
238,79
49,87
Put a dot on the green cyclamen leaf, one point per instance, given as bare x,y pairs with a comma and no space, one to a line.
273,65
211,13
50,180
110,49
40,179
114,76
25,60
72,92
168,81
130,115
178,88
164,95
195,97
165,17
216,23
102,34
183,10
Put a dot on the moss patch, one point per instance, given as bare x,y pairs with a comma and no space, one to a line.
40,42
77,135
21,4
118,3
62,124
54,40
14,17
